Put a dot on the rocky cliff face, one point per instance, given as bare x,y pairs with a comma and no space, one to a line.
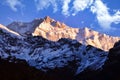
109,71
54,30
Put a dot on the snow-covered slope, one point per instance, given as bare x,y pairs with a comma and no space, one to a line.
7,30
94,38
47,55
54,30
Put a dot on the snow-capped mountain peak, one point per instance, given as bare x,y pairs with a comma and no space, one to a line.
55,30
48,19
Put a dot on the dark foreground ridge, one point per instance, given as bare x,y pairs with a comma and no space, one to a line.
22,71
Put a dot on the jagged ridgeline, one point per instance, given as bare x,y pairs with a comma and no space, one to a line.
54,30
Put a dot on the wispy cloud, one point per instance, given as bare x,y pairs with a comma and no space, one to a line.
13,4
65,7
103,16
80,5
54,4
10,19
43,4
77,5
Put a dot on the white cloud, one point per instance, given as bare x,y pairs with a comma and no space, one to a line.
54,4
43,4
103,16
13,4
116,17
77,5
65,7
80,5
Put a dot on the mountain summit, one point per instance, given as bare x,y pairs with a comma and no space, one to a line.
55,30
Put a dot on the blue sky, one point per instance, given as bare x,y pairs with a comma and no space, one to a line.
100,15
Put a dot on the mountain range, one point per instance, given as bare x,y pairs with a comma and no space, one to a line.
54,30
54,49
44,54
